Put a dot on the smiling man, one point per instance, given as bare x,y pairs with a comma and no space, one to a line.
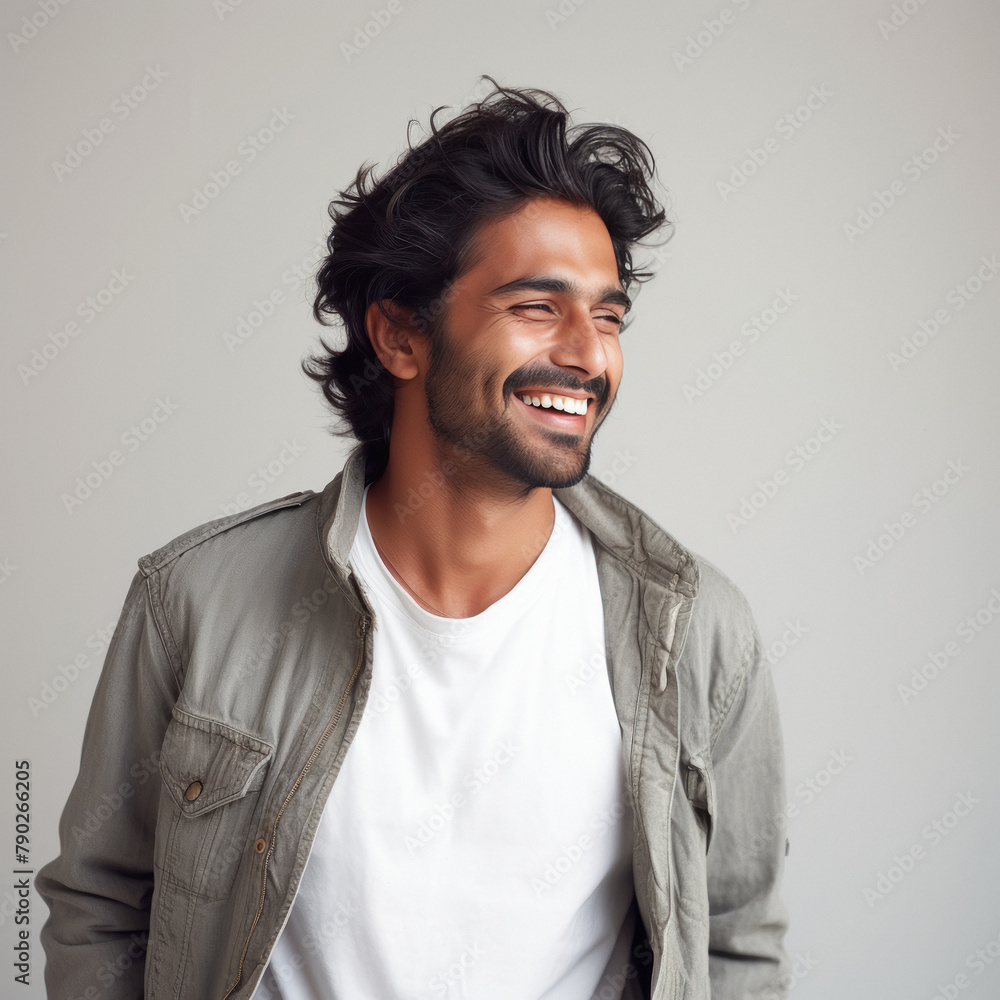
527,366
468,722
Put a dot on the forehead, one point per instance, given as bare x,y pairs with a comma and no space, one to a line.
546,235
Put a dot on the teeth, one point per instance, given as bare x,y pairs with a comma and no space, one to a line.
565,403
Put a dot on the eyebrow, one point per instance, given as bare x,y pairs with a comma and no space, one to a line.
542,283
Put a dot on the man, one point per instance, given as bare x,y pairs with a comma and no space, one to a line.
467,723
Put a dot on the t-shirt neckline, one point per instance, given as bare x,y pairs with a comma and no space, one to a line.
445,630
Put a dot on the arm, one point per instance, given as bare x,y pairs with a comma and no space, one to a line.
98,889
746,858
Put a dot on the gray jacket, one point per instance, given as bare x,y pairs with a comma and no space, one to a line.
234,684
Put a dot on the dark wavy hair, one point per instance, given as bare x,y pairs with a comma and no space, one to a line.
409,235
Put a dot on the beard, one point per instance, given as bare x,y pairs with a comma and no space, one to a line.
458,392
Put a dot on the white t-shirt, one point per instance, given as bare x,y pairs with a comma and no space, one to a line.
478,839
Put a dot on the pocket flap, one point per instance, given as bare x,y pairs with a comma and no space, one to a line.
205,764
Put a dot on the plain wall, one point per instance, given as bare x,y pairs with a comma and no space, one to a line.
839,464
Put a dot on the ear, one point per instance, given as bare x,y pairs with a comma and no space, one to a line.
400,346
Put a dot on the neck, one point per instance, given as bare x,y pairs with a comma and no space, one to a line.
457,541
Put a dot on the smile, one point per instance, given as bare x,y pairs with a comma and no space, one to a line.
547,401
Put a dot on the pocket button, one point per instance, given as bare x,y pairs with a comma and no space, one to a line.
193,791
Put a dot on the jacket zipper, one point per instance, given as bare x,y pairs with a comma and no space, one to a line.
362,631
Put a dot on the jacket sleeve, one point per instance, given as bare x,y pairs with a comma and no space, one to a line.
748,920
99,888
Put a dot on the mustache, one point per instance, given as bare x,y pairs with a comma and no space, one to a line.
557,379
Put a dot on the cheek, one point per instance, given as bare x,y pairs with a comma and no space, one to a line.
615,362
519,346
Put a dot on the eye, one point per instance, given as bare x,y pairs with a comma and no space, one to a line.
617,320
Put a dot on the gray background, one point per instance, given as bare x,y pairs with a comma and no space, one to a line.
871,767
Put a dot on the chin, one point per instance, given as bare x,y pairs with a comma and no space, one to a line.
563,484
557,475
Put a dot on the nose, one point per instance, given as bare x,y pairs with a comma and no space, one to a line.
580,345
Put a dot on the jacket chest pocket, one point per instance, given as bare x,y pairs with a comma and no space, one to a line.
212,776
699,785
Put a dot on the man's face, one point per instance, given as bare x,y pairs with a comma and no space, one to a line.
537,317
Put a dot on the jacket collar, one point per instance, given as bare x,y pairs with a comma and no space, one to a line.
626,532
340,509
631,535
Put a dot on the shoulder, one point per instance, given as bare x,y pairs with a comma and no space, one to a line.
250,567
254,525
719,654
719,601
